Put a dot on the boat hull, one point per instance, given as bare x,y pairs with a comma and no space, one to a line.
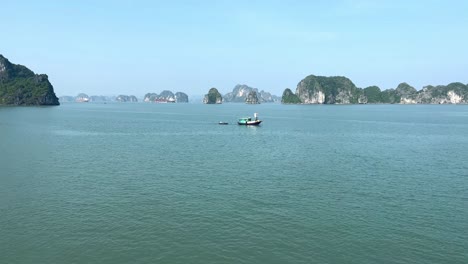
250,123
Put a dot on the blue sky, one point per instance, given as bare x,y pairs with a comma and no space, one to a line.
135,47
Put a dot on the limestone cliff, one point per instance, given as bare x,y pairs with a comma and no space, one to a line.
252,98
213,97
21,86
454,93
166,96
181,97
327,90
340,90
241,91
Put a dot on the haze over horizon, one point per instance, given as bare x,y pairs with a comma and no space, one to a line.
136,47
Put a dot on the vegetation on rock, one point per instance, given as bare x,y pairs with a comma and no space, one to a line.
213,97
373,94
20,86
289,97
340,90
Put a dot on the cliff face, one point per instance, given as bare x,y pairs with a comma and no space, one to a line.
213,97
252,98
327,90
240,93
20,86
340,90
266,97
454,93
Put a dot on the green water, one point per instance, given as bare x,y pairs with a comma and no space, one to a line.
163,183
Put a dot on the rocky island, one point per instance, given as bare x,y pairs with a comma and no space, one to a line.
21,86
341,90
242,93
213,97
166,96
252,98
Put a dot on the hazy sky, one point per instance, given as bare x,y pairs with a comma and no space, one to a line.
135,47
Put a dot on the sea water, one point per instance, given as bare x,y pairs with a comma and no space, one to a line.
164,183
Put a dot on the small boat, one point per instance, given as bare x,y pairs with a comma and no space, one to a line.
247,121
223,123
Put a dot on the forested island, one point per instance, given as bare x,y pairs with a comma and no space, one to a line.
341,90
213,97
21,86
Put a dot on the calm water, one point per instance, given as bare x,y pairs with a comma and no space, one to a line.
163,183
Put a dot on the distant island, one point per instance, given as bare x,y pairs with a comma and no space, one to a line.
341,90
84,98
242,93
213,97
166,96
21,86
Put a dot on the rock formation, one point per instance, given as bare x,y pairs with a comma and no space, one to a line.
327,90
181,97
21,86
150,97
241,91
213,97
166,96
340,90
252,98
289,97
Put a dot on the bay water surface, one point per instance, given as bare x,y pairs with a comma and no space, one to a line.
164,183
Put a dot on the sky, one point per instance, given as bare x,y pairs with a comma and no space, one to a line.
135,47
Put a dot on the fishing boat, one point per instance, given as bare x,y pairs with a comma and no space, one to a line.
247,121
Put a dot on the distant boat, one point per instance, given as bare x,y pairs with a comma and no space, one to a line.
247,121
223,123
